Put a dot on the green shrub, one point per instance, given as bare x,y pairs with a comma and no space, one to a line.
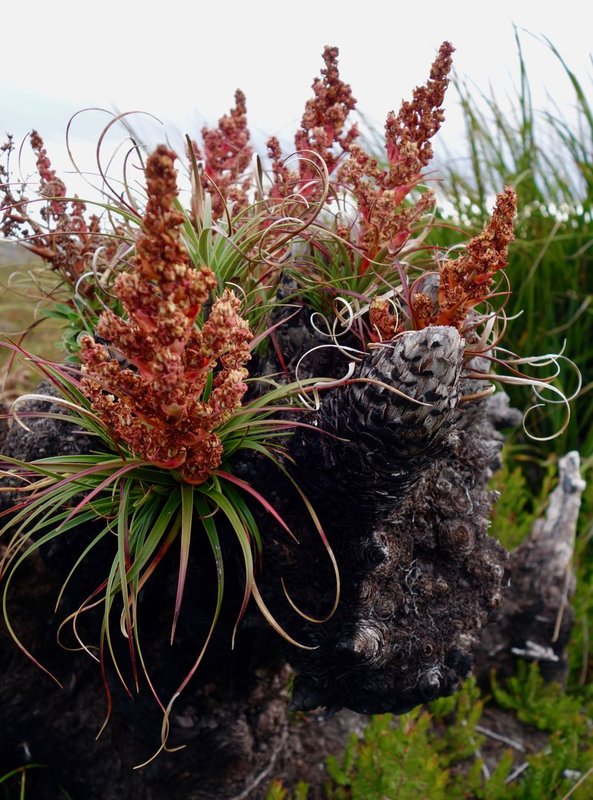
435,753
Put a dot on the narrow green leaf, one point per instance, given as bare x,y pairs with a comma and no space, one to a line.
187,510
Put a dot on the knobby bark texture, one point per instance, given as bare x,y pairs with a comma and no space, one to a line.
396,463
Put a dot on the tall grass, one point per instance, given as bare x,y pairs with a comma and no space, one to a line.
549,161
26,290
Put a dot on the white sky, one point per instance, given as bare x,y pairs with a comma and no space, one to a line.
183,61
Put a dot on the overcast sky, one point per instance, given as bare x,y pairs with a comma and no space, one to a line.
183,61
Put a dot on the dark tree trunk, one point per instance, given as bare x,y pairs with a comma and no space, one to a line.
401,490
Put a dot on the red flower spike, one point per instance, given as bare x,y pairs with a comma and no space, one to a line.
323,126
151,397
380,192
408,134
226,156
324,121
66,239
467,280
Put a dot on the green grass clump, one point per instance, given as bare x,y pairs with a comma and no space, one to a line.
20,783
518,505
371,768
543,706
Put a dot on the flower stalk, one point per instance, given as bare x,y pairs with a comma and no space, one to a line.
160,383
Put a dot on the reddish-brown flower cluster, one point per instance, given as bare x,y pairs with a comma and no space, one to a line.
50,186
65,239
226,156
324,121
149,385
323,126
379,192
383,322
466,281
408,135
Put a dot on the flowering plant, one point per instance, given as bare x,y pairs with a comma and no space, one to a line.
168,307
162,387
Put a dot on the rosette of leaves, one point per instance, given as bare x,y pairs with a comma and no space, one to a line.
161,387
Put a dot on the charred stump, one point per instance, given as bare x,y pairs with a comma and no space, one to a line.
396,462
403,489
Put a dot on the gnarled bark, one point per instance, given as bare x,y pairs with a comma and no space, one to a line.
403,492
400,484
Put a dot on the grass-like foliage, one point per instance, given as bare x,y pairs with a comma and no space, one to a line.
164,401
14,783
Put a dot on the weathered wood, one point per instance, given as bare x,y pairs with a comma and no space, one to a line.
535,618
